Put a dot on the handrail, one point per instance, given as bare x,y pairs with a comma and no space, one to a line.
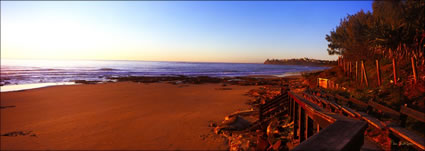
420,116
339,133
400,131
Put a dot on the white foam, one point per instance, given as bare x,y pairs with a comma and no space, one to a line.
19,87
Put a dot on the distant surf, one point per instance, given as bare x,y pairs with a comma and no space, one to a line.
18,72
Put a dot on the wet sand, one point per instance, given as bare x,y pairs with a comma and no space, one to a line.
123,115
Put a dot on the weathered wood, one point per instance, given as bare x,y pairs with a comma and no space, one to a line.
378,72
344,109
296,120
302,124
350,111
383,108
309,126
372,121
420,116
395,71
332,140
318,114
356,72
415,74
409,136
358,102
365,74
341,135
355,101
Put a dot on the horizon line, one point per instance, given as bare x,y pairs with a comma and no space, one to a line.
154,60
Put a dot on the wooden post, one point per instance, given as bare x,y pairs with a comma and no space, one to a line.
296,126
361,73
356,71
378,72
302,124
309,126
415,75
394,71
365,74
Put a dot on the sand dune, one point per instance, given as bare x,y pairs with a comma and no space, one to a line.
122,115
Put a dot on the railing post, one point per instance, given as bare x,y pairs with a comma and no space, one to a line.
415,75
395,71
302,124
356,71
295,113
309,126
403,118
364,74
378,72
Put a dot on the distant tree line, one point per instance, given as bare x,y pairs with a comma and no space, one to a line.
300,61
395,29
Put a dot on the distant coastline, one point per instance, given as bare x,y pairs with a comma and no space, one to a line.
301,61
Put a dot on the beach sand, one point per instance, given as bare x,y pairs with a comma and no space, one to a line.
123,115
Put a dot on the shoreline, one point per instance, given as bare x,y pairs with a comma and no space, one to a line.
31,86
131,113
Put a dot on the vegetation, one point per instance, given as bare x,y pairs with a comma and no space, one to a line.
301,61
395,29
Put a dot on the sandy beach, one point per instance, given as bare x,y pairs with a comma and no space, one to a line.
122,115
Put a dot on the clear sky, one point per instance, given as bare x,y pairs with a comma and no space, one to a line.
213,31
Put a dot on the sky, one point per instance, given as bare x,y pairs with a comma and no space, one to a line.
194,31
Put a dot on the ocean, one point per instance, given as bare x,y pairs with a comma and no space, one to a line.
21,73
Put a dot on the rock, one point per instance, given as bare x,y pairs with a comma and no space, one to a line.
235,123
17,133
86,82
241,113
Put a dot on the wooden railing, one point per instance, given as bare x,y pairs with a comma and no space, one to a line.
397,131
318,129
320,123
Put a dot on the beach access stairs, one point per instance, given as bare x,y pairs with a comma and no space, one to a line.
321,123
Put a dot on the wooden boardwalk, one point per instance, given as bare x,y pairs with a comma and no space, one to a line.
320,123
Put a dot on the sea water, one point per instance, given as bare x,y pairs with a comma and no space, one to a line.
57,72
